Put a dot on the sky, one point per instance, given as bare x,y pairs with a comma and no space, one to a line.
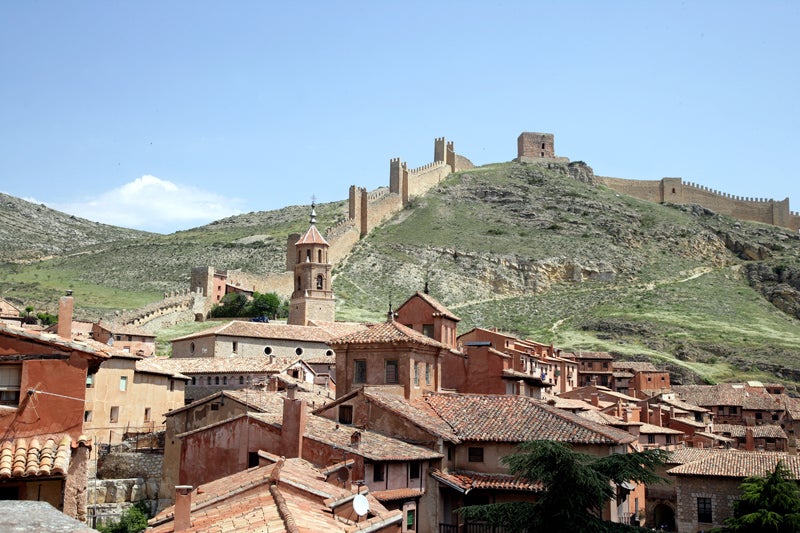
164,116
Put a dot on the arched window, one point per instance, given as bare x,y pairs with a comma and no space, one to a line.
298,283
308,256
216,380
319,256
319,282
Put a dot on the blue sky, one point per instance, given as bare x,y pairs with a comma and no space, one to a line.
167,115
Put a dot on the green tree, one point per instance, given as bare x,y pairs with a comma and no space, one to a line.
233,304
574,488
266,304
768,504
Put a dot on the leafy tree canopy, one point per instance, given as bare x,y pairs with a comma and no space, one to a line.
574,488
768,504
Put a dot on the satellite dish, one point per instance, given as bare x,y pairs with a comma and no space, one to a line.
360,505
343,474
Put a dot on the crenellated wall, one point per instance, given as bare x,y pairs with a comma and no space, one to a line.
676,191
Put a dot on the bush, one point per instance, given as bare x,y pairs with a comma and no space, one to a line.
134,520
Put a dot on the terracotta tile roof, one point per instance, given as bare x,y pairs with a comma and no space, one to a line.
681,456
261,330
737,464
465,481
338,329
397,494
622,375
35,456
764,431
593,355
221,365
573,404
652,429
439,309
51,339
635,366
417,412
373,446
686,406
389,332
607,419
312,236
152,365
714,437
516,419
729,394
260,499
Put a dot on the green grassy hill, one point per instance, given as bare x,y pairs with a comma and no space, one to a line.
525,248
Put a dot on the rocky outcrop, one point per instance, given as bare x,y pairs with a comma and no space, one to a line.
779,284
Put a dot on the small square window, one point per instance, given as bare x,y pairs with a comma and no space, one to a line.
413,470
475,455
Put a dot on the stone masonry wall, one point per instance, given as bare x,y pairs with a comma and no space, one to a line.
675,190
723,493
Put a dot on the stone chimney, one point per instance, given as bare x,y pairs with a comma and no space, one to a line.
655,418
294,424
182,517
355,440
749,441
595,399
65,307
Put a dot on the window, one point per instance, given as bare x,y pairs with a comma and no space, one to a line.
216,380
733,410
704,510
758,416
241,380
268,350
224,380
194,380
147,414
319,282
427,374
87,416
651,439
475,455
123,383
319,256
413,470
345,414
171,385
360,371
391,372
114,416
191,347
215,407
378,471
669,439
427,330
298,351
411,520
252,459
416,373
235,346
89,381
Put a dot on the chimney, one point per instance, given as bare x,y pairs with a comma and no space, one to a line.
595,399
183,508
294,424
655,419
65,306
626,414
749,441
355,439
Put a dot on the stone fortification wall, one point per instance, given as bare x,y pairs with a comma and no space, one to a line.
369,209
424,178
173,308
675,190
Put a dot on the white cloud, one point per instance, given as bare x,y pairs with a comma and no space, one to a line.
153,204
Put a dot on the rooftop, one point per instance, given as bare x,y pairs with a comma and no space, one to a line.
737,464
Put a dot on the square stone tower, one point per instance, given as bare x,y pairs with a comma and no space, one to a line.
532,145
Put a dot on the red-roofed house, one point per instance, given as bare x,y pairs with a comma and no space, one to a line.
43,454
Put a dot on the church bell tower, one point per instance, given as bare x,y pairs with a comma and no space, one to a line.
312,298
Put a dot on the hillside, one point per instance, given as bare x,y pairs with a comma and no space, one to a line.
529,249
